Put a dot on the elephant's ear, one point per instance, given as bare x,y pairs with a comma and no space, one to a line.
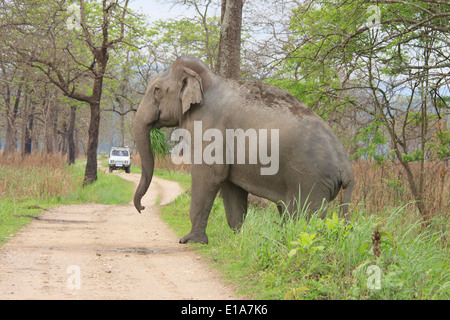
192,90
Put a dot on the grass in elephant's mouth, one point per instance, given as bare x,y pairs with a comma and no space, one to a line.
271,258
31,184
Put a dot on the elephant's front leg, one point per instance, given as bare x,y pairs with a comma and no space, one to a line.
204,189
235,201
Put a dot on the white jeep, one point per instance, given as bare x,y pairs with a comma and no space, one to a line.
119,158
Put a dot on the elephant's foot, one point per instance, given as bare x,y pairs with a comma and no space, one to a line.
195,238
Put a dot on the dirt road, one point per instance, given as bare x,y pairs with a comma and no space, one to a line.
106,252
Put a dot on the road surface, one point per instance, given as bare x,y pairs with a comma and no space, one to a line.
94,251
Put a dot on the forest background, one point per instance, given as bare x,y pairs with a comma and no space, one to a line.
72,74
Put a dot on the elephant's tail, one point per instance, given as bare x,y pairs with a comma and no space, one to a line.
348,189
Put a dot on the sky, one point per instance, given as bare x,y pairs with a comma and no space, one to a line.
161,9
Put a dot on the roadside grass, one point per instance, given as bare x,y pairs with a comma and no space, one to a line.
28,189
108,189
275,257
184,179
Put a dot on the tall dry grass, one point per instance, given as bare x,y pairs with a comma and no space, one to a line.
383,188
379,188
53,160
34,176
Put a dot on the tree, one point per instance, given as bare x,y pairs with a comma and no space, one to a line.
229,57
386,59
199,37
73,50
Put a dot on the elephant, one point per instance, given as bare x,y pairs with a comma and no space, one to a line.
312,163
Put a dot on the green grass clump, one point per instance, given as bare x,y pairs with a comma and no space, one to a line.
108,189
275,257
184,179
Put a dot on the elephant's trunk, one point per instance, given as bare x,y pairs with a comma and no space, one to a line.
141,132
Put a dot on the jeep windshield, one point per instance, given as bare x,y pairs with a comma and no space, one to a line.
119,153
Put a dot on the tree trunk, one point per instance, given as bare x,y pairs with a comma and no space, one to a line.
122,129
121,112
55,135
90,174
28,143
10,134
48,128
24,129
70,135
11,115
229,57
417,193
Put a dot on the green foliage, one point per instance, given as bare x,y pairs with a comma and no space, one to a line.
345,69
295,293
337,227
416,156
159,146
372,139
311,71
304,244
188,36
440,144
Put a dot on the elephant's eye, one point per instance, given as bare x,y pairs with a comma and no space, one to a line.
157,90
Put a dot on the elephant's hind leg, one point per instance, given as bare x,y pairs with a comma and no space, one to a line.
235,200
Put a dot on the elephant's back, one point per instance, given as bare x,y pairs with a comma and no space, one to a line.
274,98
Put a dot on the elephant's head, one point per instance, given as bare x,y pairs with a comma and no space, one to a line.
168,98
